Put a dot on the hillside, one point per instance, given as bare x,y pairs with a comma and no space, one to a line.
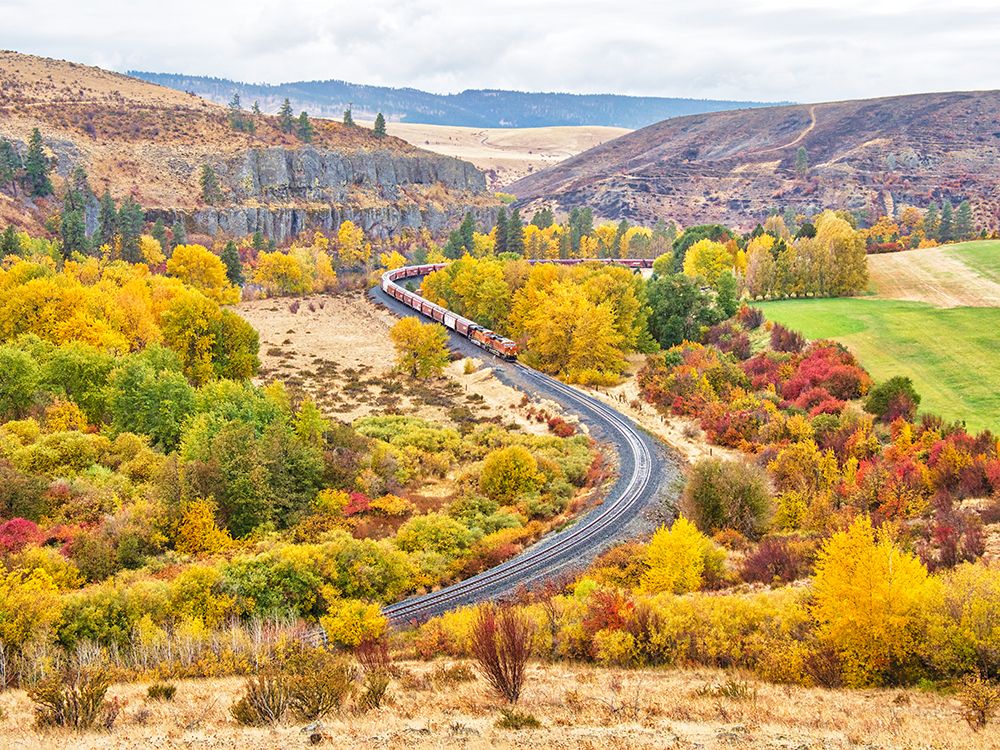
505,154
477,108
733,167
151,142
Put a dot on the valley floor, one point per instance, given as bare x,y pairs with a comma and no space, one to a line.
578,707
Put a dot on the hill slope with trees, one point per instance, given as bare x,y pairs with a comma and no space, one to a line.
869,156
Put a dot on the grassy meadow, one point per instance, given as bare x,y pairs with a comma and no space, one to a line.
982,256
952,355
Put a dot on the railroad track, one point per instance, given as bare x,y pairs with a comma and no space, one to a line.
627,498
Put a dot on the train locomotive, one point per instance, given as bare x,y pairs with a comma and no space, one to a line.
489,340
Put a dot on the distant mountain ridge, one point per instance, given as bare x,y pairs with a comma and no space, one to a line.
489,108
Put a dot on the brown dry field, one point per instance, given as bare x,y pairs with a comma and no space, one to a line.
578,706
930,275
337,348
505,154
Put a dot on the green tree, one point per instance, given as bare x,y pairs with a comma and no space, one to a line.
131,219
236,119
581,224
946,231
159,233
18,384
502,229
515,233
964,229
348,118
37,168
73,224
107,219
305,128
932,219
234,266
211,193
286,120
801,161
543,218
728,495
178,234
379,126
727,295
679,309
10,165
9,243
149,400
896,397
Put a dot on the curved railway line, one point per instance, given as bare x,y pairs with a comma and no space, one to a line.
645,471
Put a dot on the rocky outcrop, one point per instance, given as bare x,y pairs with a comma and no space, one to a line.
267,189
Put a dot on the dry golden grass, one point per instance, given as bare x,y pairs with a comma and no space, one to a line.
137,137
505,154
933,275
578,706
337,348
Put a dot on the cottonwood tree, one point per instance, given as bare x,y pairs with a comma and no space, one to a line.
421,348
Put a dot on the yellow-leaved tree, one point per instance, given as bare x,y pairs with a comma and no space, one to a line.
391,260
509,473
29,605
198,533
204,270
680,559
421,348
351,621
352,248
870,597
708,259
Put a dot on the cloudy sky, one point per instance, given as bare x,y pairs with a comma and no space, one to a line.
800,50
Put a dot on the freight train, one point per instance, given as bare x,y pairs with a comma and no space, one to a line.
483,337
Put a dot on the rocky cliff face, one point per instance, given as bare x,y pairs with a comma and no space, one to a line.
280,192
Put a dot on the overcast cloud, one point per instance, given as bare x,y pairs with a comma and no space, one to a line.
733,49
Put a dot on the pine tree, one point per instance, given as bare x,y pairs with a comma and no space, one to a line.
543,218
211,193
36,167
501,238
256,109
946,232
616,245
73,224
931,221
286,120
178,234
131,219
258,241
305,128
10,165
107,219
467,231
515,233
801,161
348,118
235,113
9,243
159,233
379,126
234,266
963,221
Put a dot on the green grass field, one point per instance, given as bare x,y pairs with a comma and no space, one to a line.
982,256
952,355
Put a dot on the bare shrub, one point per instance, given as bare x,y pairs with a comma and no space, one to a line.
377,668
980,700
75,699
501,645
293,307
265,699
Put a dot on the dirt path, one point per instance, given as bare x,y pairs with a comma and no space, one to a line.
808,129
931,275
